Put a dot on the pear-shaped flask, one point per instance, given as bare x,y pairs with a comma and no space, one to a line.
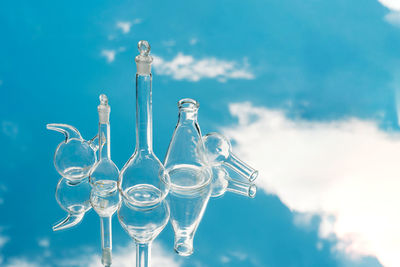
143,181
190,177
74,157
103,178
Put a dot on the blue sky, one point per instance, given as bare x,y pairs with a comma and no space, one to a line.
306,90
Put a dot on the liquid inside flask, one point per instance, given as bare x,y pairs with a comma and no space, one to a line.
143,181
190,177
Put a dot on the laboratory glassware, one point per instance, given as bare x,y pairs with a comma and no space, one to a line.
143,181
74,157
74,198
103,178
219,150
222,182
190,176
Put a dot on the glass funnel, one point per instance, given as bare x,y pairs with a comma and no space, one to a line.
190,177
103,178
74,199
74,157
219,150
143,181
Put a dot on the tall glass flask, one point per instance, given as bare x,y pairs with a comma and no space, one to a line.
143,181
190,177
103,178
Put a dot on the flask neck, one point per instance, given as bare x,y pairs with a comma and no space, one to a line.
187,116
104,141
144,122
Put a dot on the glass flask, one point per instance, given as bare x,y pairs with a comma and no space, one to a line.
222,182
190,177
143,181
74,198
219,150
103,178
74,157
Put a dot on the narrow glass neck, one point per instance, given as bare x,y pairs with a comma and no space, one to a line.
104,138
187,116
144,127
143,255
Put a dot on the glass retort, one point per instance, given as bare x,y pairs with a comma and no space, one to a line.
103,178
143,181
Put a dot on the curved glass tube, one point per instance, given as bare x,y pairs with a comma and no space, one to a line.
74,199
219,150
103,178
143,181
190,177
222,182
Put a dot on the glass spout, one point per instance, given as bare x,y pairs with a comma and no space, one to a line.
71,220
74,199
241,167
244,189
68,130
219,151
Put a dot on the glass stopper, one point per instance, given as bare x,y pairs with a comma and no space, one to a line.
144,48
103,99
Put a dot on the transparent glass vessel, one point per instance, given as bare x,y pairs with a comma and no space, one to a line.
73,198
103,178
222,182
190,177
143,181
74,157
219,151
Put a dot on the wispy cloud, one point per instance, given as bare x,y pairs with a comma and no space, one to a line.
345,171
3,241
124,26
193,41
44,242
186,67
9,129
125,257
393,17
391,4
110,54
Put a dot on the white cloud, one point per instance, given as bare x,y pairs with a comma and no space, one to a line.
347,171
393,18
391,4
125,26
10,129
3,241
186,67
125,257
169,43
109,54
193,41
44,242
15,262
